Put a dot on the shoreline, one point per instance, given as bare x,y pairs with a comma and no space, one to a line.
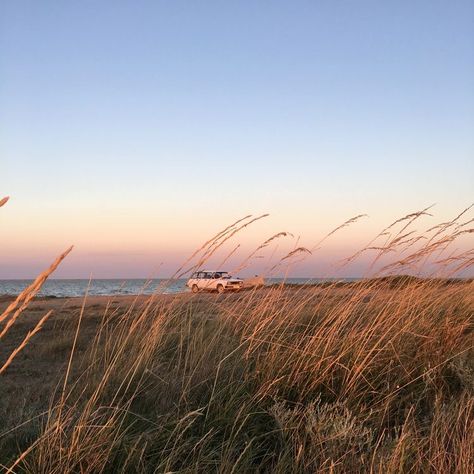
387,283
390,281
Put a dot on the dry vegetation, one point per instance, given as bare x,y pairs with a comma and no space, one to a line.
373,376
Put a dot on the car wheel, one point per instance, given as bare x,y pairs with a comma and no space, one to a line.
220,289
195,289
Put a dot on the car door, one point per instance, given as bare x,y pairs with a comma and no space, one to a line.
208,281
200,280
213,281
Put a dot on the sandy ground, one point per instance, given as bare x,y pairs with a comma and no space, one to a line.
125,301
71,302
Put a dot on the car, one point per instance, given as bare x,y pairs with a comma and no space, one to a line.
213,281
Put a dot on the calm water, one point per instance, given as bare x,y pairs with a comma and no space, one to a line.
112,287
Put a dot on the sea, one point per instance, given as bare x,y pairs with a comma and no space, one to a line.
108,287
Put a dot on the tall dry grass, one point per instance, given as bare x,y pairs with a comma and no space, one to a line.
370,376
14,310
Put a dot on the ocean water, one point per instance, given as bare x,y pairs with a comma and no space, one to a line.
101,287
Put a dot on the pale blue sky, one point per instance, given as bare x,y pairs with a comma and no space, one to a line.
200,112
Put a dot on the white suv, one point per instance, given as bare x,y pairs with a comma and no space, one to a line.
213,281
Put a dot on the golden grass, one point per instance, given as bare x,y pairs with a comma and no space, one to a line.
18,306
25,341
371,376
24,298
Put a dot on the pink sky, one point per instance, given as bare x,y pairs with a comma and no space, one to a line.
138,146
122,244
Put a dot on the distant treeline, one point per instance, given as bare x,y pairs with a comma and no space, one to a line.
395,281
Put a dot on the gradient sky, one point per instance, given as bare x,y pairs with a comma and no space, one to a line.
137,129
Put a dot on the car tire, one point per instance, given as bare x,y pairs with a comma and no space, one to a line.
220,289
194,289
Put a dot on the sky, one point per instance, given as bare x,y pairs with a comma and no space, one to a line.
135,130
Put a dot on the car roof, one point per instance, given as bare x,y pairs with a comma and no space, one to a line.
212,271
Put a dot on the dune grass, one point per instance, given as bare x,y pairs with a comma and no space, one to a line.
372,376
